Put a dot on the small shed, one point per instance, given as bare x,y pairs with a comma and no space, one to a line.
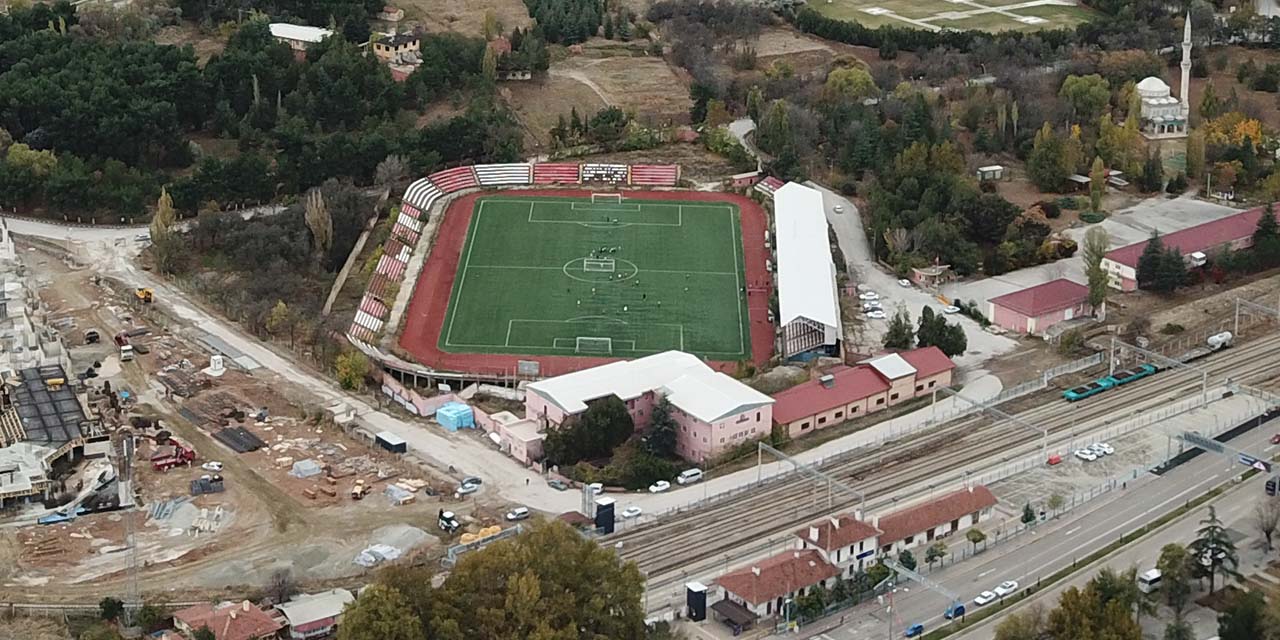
991,172
456,415
391,442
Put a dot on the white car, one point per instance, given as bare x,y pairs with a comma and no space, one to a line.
466,489
870,295
631,512
876,315
142,237
1102,449
595,488
1086,455
986,597
518,513
838,208
212,466
1007,587
659,486
904,283
871,306
949,309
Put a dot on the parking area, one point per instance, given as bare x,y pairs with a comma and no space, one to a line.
868,336
1136,451
1124,227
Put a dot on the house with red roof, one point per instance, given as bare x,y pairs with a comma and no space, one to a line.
937,518
1034,309
845,393
844,541
762,587
1196,244
227,621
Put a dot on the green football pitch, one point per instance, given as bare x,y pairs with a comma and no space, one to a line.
626,278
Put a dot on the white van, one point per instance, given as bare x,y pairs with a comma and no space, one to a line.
689,476
1149,581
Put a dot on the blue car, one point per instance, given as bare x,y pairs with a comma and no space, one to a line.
914,630
954,610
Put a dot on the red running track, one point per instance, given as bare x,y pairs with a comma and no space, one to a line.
425,315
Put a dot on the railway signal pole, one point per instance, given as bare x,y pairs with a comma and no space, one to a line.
990,408
810,470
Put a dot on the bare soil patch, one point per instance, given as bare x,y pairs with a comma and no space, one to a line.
646,86
206,45
539,103
464,16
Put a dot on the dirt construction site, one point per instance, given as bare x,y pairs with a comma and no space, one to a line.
233,479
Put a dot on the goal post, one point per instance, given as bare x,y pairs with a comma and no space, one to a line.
593,345
606,198
602,265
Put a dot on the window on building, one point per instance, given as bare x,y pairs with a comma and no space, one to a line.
974,516
909,540
893,397
757,416
853,410
932,382
919,388
879,401
721,440
822,420
804,425
839,414
955,524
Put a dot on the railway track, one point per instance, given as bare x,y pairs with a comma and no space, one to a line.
702,538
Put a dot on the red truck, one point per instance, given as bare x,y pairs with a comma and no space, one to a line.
172,455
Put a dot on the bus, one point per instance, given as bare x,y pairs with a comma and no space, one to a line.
1149,581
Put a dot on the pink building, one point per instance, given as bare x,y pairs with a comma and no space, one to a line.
714,411
1232,233
847,393
1033,310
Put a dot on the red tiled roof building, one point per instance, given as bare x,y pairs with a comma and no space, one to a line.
1232,233
1034,309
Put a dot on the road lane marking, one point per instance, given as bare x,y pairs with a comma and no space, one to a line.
984,573
1071,531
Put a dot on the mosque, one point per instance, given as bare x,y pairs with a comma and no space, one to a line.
1163,116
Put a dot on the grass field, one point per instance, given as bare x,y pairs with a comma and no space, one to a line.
982,15
566,276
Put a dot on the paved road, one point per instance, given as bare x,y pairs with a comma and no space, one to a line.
113,251
1059,543
863,269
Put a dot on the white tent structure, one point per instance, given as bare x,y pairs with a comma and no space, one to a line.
808,302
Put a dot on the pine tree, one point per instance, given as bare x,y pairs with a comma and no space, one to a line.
755,102
1153,174
900,335
1149,261
1212,551
1266,239
608,27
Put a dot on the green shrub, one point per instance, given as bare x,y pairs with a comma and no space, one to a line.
1069,203
1093,217
1172,328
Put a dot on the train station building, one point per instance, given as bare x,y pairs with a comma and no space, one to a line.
1196,244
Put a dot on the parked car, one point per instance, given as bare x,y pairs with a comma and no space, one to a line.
838,208
949,309
1006,588
869,295
986,597
517,513
954,610
877,315
1086,455
1275,439
212,465
689,476
914,631
904,282
871,306
1102,448
631,512
472,480
659,486
1055,459
465,489
142,237
557,484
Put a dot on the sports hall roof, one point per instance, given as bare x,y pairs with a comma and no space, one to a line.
686,381
806,274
